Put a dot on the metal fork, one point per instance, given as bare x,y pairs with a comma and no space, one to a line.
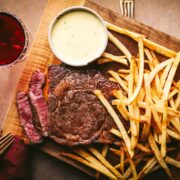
127,7
5,141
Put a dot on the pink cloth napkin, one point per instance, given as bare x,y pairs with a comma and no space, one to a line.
13,163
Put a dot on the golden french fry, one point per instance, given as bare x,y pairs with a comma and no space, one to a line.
124,71
173,134
89,164
112,79
116,120
170,77
120,46
177,101
141,71
118,79
116,132
111,58
172,162
104,161
143,148
122,156
158,155
146,127
164,130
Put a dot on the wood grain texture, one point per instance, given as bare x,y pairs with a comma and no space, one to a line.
40,57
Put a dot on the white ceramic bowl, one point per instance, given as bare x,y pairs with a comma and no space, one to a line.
58,55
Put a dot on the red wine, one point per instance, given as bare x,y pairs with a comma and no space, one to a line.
12,38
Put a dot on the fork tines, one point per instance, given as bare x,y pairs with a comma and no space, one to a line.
5,141
127,7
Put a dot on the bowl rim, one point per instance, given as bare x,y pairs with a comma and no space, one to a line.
27,40
66,11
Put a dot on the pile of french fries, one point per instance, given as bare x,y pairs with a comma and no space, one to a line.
149,101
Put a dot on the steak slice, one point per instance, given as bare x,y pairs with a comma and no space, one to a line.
26,117
76,115
38,101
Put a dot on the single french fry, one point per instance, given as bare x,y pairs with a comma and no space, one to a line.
89,164
146,127
141,71
158,155
164,130
118,79
170,77
104,161
177,101
116,120
143,148
172,162
118,59
112,79
148,166
116,132
151,45
124,71
158,68
120,46
122,156
173,134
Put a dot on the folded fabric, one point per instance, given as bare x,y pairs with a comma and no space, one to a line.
13,163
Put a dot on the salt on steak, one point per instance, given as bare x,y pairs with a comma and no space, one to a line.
38,102
76,115
26,117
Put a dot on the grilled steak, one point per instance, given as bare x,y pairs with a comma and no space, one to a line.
76,115
26,118
38,101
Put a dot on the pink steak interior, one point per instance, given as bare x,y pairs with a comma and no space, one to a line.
12,38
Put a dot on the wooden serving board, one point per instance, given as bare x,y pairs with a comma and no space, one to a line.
40,57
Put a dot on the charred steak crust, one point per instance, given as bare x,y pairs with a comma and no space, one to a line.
39,106
76,115
26,117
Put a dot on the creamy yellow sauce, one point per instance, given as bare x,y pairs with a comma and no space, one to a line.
78,37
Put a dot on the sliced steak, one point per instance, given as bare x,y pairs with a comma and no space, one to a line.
26,118
76,115
38,101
